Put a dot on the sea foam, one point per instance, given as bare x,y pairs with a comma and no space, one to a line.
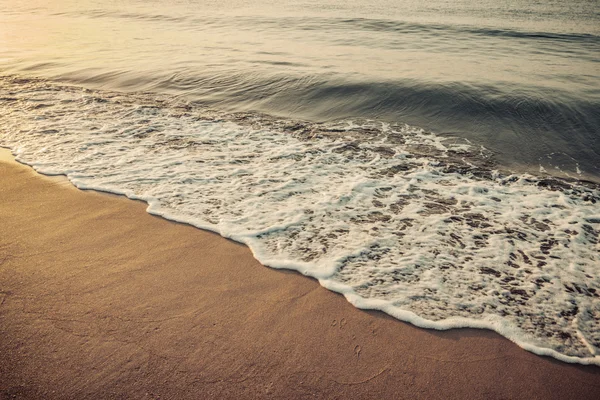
397,219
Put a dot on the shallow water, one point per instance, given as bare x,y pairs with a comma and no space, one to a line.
437,162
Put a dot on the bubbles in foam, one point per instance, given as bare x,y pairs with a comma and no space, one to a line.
395,218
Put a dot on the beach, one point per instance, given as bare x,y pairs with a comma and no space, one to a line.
388,199
434,161
99,299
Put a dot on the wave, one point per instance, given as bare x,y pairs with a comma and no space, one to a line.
402,27
423,227
523,124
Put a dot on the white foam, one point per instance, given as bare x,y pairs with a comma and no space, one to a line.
390,227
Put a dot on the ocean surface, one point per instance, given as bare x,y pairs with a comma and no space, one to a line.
438,161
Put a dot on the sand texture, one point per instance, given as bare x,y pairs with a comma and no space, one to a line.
100,300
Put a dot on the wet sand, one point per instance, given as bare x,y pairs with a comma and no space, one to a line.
99,299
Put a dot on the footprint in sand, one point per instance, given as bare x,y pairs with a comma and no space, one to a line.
357,350
342,322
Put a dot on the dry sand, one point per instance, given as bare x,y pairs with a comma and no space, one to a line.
99,300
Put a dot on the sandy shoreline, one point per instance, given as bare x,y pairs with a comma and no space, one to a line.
99,299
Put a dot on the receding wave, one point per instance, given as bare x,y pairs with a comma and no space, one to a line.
423,227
